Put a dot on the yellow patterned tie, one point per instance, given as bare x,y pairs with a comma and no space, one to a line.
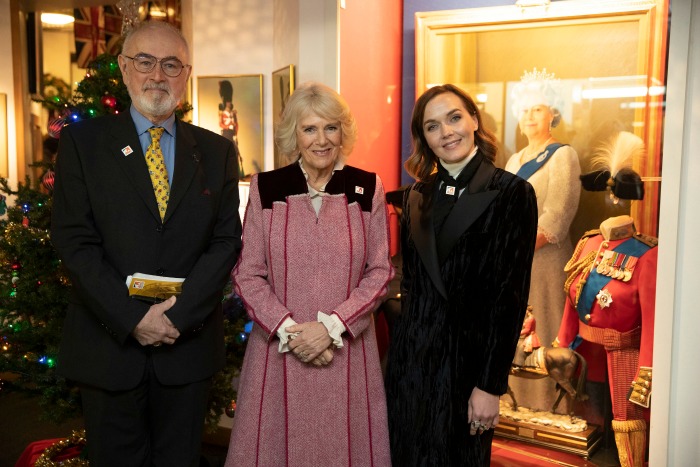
157,170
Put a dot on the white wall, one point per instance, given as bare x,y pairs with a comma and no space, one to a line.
285,40
234,38
675,422
318,42
7,86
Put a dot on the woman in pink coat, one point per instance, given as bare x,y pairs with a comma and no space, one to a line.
314,266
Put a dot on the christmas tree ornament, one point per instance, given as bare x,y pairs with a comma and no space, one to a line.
48,179
231,409
130,14
55,127
110,102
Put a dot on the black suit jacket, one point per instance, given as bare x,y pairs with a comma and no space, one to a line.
105,226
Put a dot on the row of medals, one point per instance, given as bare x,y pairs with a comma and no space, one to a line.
617,265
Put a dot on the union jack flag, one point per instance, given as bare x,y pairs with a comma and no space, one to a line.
97,30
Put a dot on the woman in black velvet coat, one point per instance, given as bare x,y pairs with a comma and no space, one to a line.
467,245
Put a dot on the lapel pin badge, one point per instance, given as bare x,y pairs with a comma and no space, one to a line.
450,190
127,150
359,190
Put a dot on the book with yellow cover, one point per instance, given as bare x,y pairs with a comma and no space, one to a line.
153,288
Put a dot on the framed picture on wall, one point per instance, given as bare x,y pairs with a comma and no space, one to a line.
233,107
282,88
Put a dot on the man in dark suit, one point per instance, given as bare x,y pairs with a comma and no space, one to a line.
145,369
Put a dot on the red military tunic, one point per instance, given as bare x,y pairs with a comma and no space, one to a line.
625,326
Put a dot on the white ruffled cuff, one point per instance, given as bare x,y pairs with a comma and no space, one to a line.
285,336
334,326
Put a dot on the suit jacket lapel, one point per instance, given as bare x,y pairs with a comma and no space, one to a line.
470,205
187,159
126,147
423,233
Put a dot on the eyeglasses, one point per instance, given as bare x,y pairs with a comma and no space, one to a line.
145,63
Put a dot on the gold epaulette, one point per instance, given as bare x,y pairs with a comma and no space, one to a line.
590,233
579,247
647,239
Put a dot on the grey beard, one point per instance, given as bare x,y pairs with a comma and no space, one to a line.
163,106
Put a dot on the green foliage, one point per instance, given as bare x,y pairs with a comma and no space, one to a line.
103,78
235,338
33,299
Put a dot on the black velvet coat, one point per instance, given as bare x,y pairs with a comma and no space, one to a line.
461,316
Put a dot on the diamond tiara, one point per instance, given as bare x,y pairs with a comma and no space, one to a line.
534,75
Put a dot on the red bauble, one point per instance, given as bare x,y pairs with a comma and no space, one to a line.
231,409
48,179
55,127
110,102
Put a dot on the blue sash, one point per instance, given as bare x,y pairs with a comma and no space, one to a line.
530,167
597,281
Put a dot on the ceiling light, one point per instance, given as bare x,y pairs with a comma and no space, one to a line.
56,19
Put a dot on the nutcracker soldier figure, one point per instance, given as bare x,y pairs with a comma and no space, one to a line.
611,289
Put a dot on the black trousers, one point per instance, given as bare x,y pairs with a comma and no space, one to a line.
152,425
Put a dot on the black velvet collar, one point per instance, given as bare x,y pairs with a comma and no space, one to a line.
470,205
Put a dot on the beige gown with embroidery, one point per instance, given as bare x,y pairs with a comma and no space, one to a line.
557,186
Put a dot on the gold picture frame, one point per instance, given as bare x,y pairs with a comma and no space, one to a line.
232,106
486,50
282,87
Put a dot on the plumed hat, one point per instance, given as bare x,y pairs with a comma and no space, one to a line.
613,160
536,87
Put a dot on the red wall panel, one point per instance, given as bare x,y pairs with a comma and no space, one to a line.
370,80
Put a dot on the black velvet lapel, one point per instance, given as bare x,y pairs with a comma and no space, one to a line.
186,163
358,186
470,205
126,147
423,232
276,185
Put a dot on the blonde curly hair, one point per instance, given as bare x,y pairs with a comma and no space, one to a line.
314,98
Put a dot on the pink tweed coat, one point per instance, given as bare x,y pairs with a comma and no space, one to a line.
294,263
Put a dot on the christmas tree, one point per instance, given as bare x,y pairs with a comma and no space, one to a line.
33,298
34,287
